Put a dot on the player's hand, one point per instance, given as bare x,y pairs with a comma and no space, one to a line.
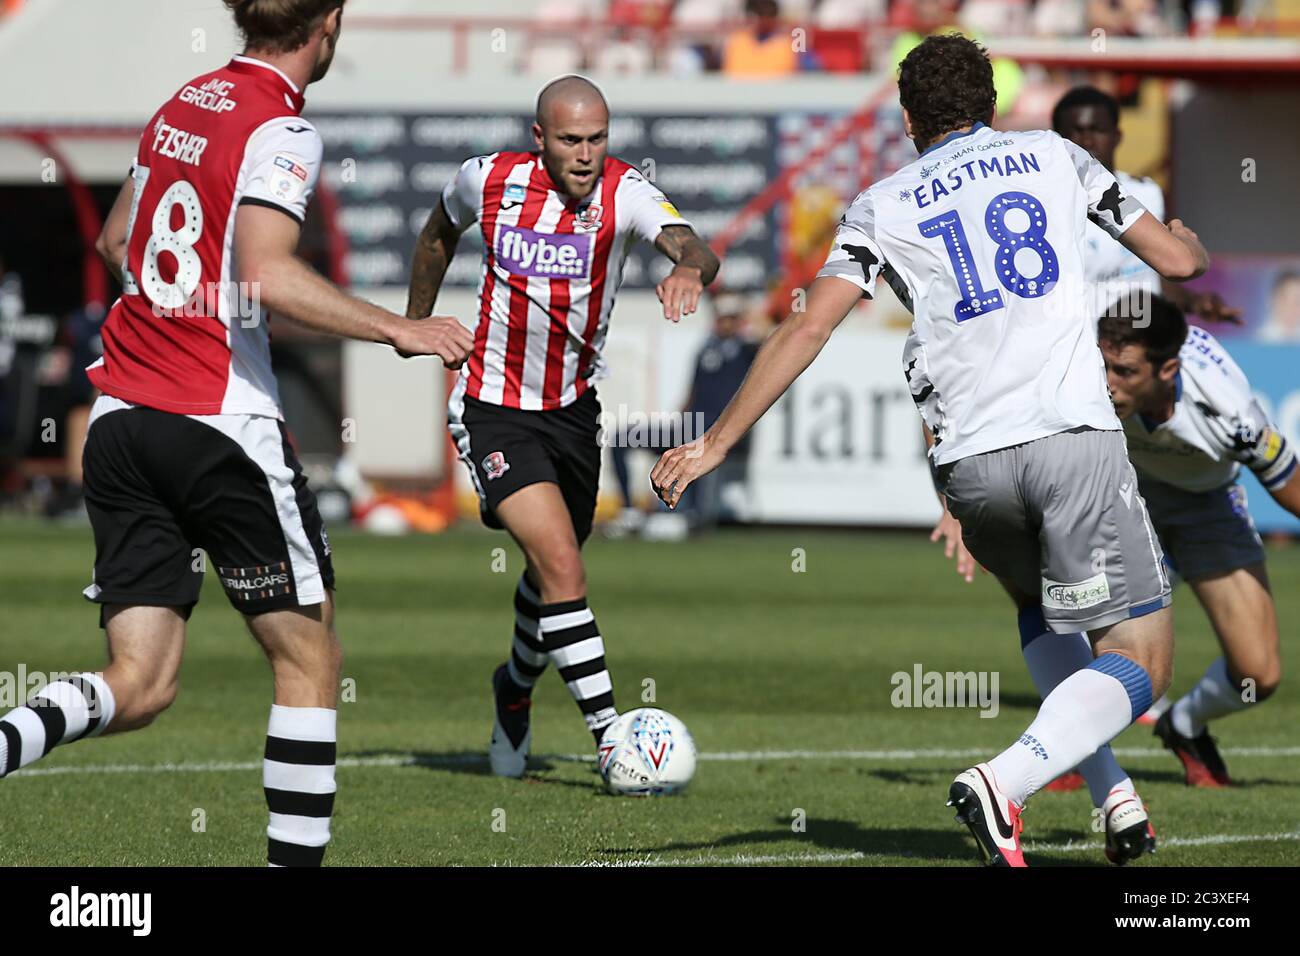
440,335
680,292
1181,231
679,467
1211,307
949,529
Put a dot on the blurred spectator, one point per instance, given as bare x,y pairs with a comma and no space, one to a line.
11,309
80,346
839,14
721,365
625,53
999,18
10,6
1126,17
1060,18
651,14
764,47
697,52
555,49
1283,323
922,18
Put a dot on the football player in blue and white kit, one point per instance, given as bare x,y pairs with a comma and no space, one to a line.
974,236
1192,421
1089,118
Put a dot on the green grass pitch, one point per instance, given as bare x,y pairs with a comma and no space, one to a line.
772,669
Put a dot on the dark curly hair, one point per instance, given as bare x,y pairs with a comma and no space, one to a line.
945,83
1161,334
1084,96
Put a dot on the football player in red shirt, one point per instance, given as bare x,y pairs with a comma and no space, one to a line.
186,451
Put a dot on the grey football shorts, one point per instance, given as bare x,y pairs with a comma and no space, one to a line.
1062,517
1204,533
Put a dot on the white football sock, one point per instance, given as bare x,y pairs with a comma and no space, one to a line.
1215,695
1086,710
1052,658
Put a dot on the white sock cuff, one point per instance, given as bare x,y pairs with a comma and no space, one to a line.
105,704
303,723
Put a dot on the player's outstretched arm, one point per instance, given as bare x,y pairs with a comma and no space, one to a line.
1174,250
265,240
696,267
111,244
948,529
433,254
786,353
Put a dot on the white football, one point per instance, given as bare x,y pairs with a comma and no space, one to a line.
647,752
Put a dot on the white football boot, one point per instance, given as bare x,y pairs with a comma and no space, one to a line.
512,733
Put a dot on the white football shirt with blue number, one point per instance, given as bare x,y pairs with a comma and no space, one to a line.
982,237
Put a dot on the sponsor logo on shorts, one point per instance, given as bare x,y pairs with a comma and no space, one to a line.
495,465
258,582
1075,597
523,252
1126,492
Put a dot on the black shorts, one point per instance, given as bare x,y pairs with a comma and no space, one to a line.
506,449
161,489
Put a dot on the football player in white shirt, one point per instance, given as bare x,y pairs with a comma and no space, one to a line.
1089,118
975,236
1192,421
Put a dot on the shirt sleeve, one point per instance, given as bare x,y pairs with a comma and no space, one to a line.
1110,206
283,160
1244,431
855,255
461,197
644,208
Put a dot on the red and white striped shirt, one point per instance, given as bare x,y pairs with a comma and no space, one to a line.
188,336
551,269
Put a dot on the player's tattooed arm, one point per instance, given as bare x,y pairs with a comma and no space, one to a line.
433,253
111,244
696,267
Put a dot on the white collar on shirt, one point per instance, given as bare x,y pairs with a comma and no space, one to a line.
262,63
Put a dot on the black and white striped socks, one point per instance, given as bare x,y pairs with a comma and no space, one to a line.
527,653
298,776
60,712
574,646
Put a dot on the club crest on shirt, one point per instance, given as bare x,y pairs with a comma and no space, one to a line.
589,217
513,196
495,465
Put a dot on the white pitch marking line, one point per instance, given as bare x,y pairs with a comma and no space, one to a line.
741,859
1214,839
741,756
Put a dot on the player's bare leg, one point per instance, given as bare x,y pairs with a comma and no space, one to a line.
301,748
145,645
538,518
1240,607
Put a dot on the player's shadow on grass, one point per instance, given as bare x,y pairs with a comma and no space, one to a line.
472,763
839,836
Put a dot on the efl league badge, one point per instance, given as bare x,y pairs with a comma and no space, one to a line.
495,465
513,196
589,217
